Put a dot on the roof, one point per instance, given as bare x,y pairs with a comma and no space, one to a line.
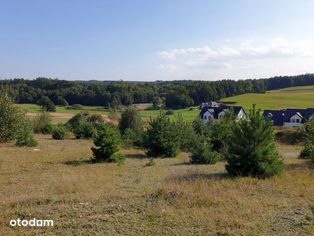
281,116
215,111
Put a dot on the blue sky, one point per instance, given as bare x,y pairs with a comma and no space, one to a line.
155,40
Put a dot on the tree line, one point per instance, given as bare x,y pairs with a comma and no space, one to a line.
172,94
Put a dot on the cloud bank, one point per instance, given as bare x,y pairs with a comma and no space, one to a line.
246,59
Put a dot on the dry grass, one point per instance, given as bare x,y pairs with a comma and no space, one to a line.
169,198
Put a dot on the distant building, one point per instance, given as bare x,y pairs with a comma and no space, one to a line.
209,104
289,117
216,112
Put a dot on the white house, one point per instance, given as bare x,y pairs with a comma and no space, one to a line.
289,117
216,113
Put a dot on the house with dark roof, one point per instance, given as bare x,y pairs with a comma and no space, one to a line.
289,117
209,104
212,113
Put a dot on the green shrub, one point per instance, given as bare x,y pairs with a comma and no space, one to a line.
76,120
95,119
132,138
307,152
251,148
200,128
59,132
83,124
130,119
161,138
202,152
46,104
220,132
10,119
118,158
42,123
107,141
185,132
308,131
84,130
24,135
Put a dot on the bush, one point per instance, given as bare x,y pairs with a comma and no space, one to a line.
84,130
81,125
200,128
95,119
202,152
220,132
307,152
107,141
118,158
186,134
59,132
42,123
10,119
169,112
130,119
308,132
162,137
24,136
251,148
132,138
46,104
76,120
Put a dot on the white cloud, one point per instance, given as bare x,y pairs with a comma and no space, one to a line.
247,58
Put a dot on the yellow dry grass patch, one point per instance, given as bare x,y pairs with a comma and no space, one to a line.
170,198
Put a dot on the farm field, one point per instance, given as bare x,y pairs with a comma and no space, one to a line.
56,181
296,97
62,114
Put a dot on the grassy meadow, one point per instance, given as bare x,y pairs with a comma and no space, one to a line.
296,97
56,181
62,114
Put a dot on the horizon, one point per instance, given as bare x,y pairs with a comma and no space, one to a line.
155,41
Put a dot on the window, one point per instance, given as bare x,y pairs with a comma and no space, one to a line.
295,120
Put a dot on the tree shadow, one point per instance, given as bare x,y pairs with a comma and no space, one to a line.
136,156
300,165
197,175
79,162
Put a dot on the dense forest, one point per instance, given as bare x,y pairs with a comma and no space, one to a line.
174,94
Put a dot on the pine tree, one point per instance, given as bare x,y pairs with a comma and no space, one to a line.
308,132
162,137
107,141
130,119
251,149
10,119
24,136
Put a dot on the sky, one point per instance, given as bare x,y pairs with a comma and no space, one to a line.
147,40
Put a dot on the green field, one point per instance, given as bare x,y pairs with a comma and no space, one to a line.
189,114
293,97
91,109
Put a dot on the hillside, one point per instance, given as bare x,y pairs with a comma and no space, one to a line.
297,97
